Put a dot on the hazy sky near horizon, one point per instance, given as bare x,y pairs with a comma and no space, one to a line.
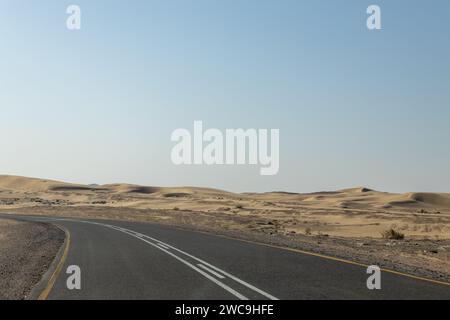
354,107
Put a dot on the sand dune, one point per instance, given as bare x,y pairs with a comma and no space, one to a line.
437,199
24,184
359,196
353,197
421,200
128,188
353,212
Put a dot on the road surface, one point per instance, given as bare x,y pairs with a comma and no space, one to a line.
132,260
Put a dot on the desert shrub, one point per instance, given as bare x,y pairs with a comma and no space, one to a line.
392,234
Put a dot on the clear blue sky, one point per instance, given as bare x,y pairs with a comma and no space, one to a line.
354,107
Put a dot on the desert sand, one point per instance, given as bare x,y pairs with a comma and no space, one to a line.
354,218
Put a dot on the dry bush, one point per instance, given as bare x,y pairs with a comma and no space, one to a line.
392,234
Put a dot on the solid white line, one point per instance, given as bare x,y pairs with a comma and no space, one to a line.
218,275
219,283
237,294
162,246
248,285
140,235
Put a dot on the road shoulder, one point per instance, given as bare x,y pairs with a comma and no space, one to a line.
27,250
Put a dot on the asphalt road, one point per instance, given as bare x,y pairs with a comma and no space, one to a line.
132,260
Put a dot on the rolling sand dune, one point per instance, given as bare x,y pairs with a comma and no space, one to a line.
348,212
129,188
438,200
28,185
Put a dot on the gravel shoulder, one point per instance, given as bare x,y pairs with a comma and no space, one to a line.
26,251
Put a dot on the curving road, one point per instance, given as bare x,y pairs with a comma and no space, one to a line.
132,260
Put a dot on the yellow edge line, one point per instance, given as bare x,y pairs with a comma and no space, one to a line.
45,293
334,259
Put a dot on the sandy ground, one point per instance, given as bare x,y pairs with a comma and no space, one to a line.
26,252
347,223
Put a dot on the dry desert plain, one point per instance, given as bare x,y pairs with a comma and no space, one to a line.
350,223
